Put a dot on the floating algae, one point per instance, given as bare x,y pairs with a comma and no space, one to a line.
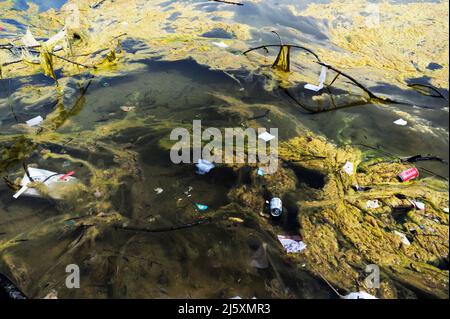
343,236
391,41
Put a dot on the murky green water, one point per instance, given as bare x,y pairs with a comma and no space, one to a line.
211,260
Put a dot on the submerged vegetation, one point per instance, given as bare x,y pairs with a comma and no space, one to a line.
131,243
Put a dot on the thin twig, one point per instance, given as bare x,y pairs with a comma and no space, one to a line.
25,167
228,2
98,4
362,87
429,87
73,62
289,45
166,228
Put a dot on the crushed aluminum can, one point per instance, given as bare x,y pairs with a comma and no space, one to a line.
409,174
276,207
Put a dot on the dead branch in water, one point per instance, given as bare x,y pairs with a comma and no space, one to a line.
73,62
165,228
284,45
97,4
228,2
418,86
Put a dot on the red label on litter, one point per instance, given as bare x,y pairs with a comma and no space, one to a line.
410,173
67,175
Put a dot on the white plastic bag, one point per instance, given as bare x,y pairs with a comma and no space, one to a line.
51,179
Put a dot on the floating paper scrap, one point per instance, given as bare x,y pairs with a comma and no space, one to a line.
292,244
260,172
265,136
402,237
220,45
126,108
359,295
401,122
35,121
204,166
50,179
348,168
446,209
372,204
418,205
28,39
322,78
158,190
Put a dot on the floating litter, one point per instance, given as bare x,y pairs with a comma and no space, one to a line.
204,166
201,206
67,175
126,108
402,238
220,45
372,204
35,121
322,78
292,244
418,205
266,136
50,179
348,168
260,172
410,173
401,122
